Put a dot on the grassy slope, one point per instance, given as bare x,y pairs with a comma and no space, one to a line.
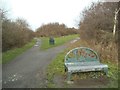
58,41
11,54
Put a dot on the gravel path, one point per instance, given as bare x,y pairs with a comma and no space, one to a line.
28,69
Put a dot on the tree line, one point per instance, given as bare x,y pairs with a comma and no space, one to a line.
54,29
95,25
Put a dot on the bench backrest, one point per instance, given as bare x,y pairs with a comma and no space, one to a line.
81,54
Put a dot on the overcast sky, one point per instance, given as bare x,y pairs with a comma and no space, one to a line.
39,12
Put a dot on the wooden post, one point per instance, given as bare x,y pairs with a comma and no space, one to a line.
115,21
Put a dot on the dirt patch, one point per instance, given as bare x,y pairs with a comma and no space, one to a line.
91,83
60,82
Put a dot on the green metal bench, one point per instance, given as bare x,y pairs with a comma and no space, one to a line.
83,59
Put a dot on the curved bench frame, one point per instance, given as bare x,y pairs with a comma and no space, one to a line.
76,64
81,48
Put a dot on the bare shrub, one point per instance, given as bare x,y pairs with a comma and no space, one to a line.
54,29
96,30
15,34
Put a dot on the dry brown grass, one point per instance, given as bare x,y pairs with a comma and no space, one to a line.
106,53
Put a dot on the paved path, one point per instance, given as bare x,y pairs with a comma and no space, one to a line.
28,69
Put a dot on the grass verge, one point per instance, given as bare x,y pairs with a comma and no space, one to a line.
58,41
56,67
11,54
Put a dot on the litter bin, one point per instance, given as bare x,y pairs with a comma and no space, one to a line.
51,41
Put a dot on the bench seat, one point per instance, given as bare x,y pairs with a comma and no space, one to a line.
83,68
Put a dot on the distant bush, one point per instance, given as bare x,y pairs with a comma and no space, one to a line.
54,29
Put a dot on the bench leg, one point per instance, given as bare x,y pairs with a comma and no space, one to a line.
69,78
106,71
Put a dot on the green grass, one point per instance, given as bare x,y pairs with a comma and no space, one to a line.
57,68
113,75
58,41
11,54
